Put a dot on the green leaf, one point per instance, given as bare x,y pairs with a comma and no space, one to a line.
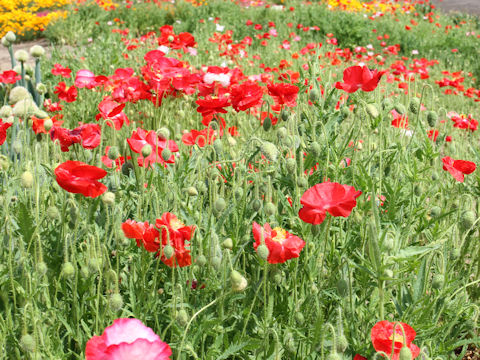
414,251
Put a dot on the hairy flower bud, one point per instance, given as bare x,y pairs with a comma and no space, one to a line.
201,260
27,343
405,353
387,104
372,110
228,243
27,180
192,191
168,251
219,205
115,302
147,150
18,93
438,281
68,270
42,268
414,105
10,36
256,205
239,283
24,108
108,198
467,220
163,133
113,153
182,317
21,56
432,118
267,123
166,154
270,209
37,51
270,151
263,252
400,108
5,111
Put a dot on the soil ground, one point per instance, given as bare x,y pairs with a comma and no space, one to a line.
466,6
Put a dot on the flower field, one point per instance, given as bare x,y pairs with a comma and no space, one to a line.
241,180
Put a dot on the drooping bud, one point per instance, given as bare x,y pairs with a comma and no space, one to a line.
387,104
68,270
147,150
42,268
218,146
313,96
5,42
342,343
270,151
168,251
108,198
435,211
414,105
239,283
163,133
201,260
372,110
53,213
263,252
192,191
10,36
284,115
256,205
299,318
405,353
166,154
27,343
302,182
127,168
438,281
270,209
219,205
5,111
315,149
400,108
18,93
267,123
282,132
467,220
182,317
115,302
216,262
291,165
113,153
41,88
24,108
342,287
432,118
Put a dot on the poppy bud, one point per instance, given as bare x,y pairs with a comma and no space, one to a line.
414,105
435,211
315,149
372,110
270,209
238,193
163,133
68,270
113,153
5,42
267,123
5,111
379,58
289,342
400,108
216,262
147,150
432,118
454,254
239,283
219,205
387,104
342,287
313,96
182,317
270,151
42,268
345,111
302,182
108,198
201,260
256,205
27,343
342,343
24,108
218,146
291,165
434,176
127,168
334,356
299,318
27,180
389,243
437,281
228,243
192,191
21,56
314,289
231,141
168,251
115,302
166,154
282,132
467,220
48,124
284,115
10,37
94,265
417,190
263,252
37,51
405,353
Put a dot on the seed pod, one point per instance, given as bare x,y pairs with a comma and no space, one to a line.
302,182
284,115
182,317
291,165
27,180
127,168
68,270
27,343
168,251
315,149
270,151
438,281
432,118
115,302
414,105
282,132
342,343
263,252
342,287
372,110
163,133
166,154
270,209
400,108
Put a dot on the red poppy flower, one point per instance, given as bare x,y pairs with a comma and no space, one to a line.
282,245
59,70
212,105
399,121
141,137
88,135
246,96
359,77
334,198
113,113
144,233
38,124
383,336
79,178
67,94
3,131
9,77
359,357
202,137
177,233
458,167
85,79
283,94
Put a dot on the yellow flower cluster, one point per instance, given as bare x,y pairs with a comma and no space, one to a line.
384,6
28,16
